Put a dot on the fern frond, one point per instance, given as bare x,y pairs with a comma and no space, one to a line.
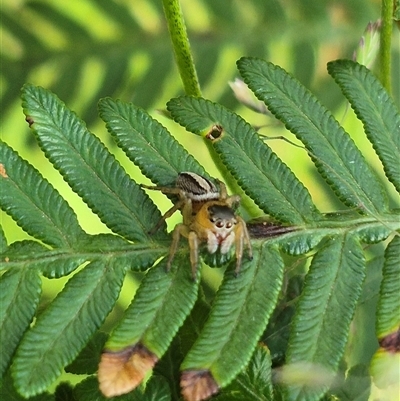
262,175
332,150
89,167
147,143
154,317
255,379
65,327
228,338
20,291
54,263
376,109
388,313
331,290
34,204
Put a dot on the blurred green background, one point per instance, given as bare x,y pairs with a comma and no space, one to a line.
87,49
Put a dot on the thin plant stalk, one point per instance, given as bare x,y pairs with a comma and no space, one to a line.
187,71
181,45
386,39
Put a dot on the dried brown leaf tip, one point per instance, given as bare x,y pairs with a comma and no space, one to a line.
215,132
3,171
197,385
122,371
29,120
259,228
391,342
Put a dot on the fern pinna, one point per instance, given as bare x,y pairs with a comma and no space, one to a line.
301,326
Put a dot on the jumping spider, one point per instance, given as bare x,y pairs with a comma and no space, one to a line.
208,217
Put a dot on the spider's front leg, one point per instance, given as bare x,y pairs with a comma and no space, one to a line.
233,201
167,214
194,252
242,238
184,231
179,230
173,209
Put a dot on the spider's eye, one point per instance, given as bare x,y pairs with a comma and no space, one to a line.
228,224
219,223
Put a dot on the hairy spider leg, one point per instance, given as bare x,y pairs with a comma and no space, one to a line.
223,194
194,252
187,211
184,231
173,209
238,247
185,205
241,237
166,215
179,230
233,201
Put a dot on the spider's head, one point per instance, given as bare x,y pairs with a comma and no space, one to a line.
223,220
216,225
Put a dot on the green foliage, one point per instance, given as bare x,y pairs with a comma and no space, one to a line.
96,176
156,390
155,316
261,174
376,109
356,386
388,315
330,280
169,312
20,292
184,57
146,142
332,150
225,348
255,379
35,206
61,331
